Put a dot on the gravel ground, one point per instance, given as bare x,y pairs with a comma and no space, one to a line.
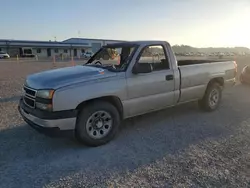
177,147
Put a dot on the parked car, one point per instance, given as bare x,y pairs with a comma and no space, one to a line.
92,99
4,55
87,54
245,75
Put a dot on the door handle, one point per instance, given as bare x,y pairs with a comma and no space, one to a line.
169,77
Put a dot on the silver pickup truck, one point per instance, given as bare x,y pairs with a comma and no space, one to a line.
121,80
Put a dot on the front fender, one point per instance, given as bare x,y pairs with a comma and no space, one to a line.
70,97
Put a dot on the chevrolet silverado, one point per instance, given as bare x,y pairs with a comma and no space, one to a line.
121,80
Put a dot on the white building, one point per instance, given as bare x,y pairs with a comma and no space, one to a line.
95,44
67,48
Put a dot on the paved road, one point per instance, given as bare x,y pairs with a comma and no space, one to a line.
29,159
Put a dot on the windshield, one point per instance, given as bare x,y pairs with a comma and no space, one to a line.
114,58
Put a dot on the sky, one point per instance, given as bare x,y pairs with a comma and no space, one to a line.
199,23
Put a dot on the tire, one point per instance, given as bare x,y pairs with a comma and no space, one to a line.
212,97
93,127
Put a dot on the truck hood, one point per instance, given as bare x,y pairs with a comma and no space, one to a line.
56,78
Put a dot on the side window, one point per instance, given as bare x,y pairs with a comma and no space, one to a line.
154,55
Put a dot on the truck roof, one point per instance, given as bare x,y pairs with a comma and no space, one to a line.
131,43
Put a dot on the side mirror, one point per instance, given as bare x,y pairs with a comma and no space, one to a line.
142,68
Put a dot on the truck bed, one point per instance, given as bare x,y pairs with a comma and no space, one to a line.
197,73
192,62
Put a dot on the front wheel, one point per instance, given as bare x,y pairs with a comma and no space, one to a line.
212,98
97,123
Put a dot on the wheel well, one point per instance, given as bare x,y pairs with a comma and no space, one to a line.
111,99
219,80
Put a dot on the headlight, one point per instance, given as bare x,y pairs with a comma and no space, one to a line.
47,107
45,94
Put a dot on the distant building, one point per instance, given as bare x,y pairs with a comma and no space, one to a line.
70,47
95,44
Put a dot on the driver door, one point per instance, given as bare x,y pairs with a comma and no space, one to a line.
151,91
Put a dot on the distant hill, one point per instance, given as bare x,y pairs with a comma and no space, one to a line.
188,49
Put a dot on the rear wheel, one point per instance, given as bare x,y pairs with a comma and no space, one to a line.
97,123
212,97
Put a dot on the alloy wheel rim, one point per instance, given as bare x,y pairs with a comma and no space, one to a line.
99,124
214,98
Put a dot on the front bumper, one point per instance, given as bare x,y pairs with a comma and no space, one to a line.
54,125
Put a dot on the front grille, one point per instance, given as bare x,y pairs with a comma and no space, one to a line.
29,96
29,92
29,102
